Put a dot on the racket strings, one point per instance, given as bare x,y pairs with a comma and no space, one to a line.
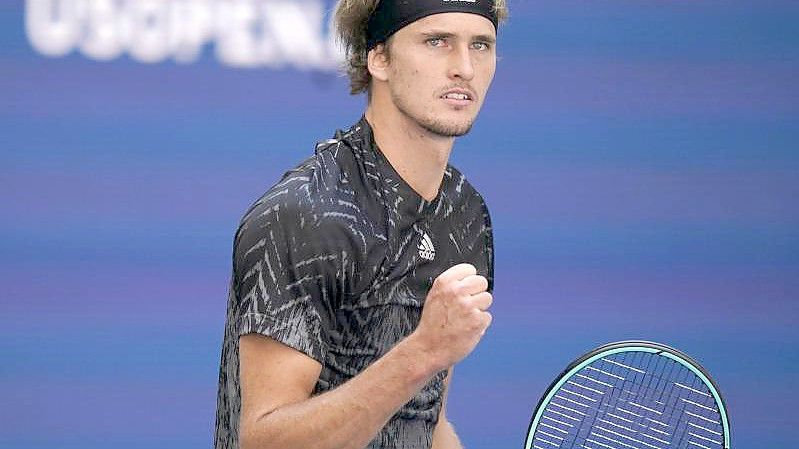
632,400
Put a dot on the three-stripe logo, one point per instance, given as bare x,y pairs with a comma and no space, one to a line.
426,249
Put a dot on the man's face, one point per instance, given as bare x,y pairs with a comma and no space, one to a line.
440,69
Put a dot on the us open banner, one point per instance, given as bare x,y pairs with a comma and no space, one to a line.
244,33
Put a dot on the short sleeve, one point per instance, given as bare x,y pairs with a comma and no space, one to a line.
286,272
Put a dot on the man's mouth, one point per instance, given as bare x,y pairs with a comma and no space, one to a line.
457,96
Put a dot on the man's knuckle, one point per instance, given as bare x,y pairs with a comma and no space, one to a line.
454,290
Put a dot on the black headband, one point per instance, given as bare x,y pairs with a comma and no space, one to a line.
391,15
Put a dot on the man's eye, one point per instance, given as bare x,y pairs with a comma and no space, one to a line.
436,42
482,46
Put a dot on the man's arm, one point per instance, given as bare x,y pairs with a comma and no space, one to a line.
279,412
444,437
277,381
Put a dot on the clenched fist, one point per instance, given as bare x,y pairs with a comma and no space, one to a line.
454,317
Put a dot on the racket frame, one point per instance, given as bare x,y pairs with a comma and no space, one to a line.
630,346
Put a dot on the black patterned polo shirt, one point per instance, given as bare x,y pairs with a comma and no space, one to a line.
336,260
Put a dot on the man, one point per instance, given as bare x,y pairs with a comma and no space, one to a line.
364,275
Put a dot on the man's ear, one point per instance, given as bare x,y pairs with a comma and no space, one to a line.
377,62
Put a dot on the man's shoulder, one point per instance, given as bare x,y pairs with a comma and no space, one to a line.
324,193
305,192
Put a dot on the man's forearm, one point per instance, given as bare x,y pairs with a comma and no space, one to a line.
349,416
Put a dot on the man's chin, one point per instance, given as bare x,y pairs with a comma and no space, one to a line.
450,132
447,128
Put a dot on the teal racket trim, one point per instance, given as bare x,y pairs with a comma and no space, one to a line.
631,395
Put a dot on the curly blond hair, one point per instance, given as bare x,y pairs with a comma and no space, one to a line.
350,20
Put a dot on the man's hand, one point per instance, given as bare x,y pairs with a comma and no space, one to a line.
454,317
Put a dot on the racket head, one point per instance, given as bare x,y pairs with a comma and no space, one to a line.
614,374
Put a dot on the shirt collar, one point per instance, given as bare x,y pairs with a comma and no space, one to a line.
402,197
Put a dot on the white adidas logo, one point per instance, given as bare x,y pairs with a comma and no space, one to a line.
426,249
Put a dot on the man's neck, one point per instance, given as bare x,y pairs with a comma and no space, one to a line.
419,156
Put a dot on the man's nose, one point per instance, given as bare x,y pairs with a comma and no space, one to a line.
461,64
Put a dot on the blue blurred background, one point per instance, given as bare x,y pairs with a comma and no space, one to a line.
640,161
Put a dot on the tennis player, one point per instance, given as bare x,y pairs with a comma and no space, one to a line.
366,273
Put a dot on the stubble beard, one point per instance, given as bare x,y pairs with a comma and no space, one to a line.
430,123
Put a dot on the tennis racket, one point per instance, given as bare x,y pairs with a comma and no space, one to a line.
631,395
